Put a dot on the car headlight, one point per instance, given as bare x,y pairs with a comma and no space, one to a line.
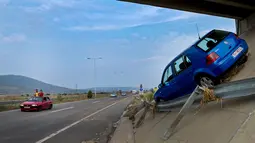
21,105
34,105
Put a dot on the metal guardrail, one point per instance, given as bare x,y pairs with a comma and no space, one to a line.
10,102
235,89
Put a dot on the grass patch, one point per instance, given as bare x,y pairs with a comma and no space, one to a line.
12,97
7,107
148,96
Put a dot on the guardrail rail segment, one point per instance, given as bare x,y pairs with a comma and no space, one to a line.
236,89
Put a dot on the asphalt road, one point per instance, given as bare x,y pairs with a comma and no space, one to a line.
66,123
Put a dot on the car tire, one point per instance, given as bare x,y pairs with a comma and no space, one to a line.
206,81
157,100
39,109
50,107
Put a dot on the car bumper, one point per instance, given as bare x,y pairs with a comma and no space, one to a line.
35,108
230,61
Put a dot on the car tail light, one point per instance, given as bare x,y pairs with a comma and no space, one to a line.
211,58
236,36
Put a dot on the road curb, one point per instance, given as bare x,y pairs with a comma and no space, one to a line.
124,132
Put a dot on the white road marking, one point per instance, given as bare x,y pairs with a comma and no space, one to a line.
95,102
9,111
61,109
77,122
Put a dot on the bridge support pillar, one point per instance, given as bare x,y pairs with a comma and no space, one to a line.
245,24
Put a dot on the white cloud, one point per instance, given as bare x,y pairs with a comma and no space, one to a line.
13,38
45,5
115,19
4,2
56,19
231,29
149,59
93,28
128,24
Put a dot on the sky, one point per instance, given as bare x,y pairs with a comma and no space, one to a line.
50,40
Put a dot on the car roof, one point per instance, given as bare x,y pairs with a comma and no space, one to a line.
191,47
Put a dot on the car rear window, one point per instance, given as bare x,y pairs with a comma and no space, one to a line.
212,40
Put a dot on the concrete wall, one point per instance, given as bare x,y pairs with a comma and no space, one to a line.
247,30
245,24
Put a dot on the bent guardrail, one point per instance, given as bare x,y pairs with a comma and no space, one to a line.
11,102
235,89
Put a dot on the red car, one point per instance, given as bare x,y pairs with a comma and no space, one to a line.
36,104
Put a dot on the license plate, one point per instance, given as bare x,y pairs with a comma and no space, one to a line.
239,50
26,107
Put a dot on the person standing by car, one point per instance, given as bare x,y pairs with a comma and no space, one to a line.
36,93
41,93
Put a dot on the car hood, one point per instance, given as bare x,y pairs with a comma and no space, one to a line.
30,103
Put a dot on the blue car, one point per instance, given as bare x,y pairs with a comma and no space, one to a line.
204,63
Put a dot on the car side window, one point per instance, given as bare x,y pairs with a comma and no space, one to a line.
48,99
168,75
44,99
181,64
187,61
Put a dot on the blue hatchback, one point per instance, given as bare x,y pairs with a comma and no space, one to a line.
204,64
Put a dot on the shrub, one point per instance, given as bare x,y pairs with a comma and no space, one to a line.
22,95
27,95
90,94
59,98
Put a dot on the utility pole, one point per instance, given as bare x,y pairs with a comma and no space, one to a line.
94,63
76,86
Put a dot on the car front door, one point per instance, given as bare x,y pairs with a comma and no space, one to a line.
168,89
184,75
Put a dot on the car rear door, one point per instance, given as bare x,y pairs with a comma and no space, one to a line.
184,75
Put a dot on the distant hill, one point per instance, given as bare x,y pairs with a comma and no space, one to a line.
16,84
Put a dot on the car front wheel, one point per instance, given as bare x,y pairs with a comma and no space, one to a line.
39,109
157,100
50,107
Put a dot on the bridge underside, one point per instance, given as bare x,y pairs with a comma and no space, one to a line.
243,11
237,9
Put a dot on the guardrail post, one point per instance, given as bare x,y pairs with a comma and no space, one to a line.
181,114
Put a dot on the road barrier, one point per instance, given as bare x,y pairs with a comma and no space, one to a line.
229,90
235,89
10,102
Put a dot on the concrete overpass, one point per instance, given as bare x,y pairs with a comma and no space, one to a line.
243,11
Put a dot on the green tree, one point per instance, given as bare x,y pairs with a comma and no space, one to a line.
90,94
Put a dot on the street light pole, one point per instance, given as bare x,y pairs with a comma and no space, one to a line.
94,63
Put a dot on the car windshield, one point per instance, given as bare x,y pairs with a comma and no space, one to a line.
211,40
35,99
